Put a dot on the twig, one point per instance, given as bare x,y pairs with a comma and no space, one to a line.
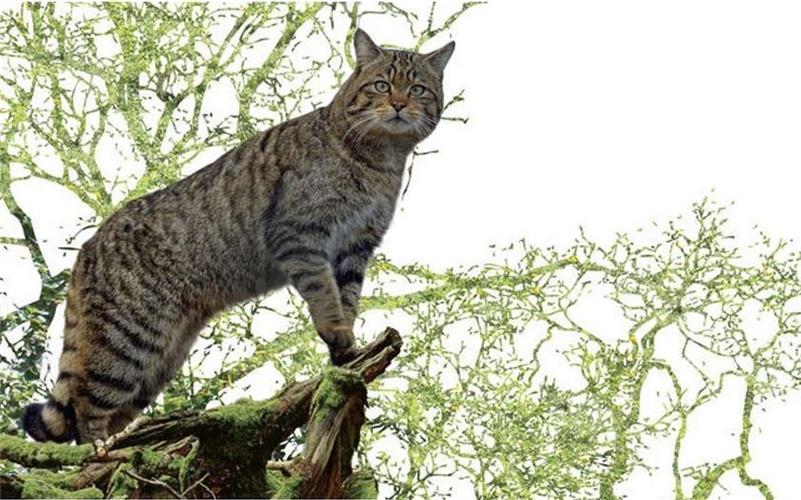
153,482
196,483
127,431
209,491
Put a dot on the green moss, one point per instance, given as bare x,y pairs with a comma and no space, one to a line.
243,414
23,452
151,463
121,484
146,456
235,428
361,484
337,384
234,438
185,469
238,427
58,479
38,486
275,481
289,487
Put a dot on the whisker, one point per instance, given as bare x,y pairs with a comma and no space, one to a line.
362,120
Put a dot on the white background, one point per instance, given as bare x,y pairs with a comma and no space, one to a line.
607,115
611,115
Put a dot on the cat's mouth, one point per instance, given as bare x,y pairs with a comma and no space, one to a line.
397,124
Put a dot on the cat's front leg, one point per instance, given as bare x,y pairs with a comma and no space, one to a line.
349,269
312,276
317,286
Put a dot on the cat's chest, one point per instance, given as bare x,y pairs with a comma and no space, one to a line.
352,225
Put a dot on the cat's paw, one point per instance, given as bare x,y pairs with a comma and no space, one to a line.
338,335
341,356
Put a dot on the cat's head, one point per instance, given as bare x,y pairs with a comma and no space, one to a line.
392,94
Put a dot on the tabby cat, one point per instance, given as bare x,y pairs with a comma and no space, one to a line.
304,203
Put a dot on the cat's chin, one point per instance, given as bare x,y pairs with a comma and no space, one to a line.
397,125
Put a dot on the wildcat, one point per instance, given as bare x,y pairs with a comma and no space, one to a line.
304,203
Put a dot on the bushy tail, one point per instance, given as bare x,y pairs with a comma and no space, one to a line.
49,421
54,420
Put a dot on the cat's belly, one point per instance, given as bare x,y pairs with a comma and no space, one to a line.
242,279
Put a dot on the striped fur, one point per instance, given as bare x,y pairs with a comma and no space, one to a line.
303,204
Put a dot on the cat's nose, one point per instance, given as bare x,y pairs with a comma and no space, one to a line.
398,105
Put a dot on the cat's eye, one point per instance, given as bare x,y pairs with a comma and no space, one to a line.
382,86
416,90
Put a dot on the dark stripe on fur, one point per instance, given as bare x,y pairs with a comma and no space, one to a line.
135,340
100,401
302,275
362,248
347,300
307,227
111,381
141,402
277,242
105,343
347,277
264,140
313,286
301,252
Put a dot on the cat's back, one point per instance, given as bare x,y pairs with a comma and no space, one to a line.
208,224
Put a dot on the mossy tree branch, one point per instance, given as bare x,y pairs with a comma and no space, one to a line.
223,451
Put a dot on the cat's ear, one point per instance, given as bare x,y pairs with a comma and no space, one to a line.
440,57
366,49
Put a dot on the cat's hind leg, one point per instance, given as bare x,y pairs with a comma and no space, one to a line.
122,420
115,364
122,423
92,425
103,429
